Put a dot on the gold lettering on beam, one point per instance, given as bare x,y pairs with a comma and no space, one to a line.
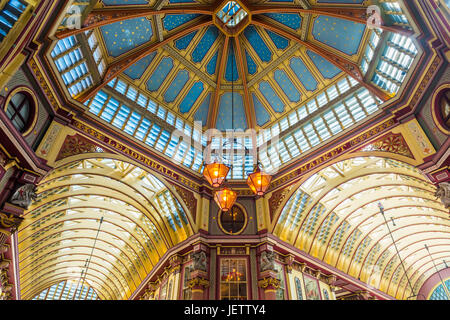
333,153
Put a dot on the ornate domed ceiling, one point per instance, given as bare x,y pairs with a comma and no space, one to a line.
185,54
232,65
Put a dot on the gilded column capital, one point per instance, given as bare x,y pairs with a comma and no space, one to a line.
9,221
198,282
269,283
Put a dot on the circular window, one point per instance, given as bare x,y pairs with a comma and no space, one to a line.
444,107
20,110
441,108
233,221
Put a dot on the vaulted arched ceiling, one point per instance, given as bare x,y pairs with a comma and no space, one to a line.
106,216
334,216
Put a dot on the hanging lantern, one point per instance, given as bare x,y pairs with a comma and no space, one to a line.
259,181
215,173
225,199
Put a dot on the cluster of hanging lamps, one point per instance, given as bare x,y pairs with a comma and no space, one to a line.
215,173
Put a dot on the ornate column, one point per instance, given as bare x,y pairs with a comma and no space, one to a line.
268,280
199,277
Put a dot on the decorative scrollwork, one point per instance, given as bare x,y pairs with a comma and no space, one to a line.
269,283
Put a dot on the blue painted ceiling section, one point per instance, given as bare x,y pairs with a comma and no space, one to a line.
231,71
212,64
279,41
136,71
340,34
262,116
202,111
205,44
303,74
326,68
258,44
287,86
160,74
291,20
191,97
251,65
123,36
184,42
272,98
227,112
175,87
173,21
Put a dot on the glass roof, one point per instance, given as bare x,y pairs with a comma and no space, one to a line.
334,216
115,215
68,290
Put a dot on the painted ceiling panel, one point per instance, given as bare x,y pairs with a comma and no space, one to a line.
205,44
291,20
136,71
279,41
160,74
272,98
173,21
184,42
326,68
258,44
212,64
251,65
191,97
231,71
262,116
202,111
287,86
123,36
303,74
340,34
176,86
227,111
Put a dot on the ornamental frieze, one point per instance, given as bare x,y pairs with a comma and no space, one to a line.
393,143
76,144
188,198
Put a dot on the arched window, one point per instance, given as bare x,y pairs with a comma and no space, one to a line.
20,110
